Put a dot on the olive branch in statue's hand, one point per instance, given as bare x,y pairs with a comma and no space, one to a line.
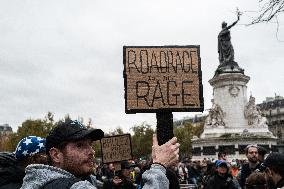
239,13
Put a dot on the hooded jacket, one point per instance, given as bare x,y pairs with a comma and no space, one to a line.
38,175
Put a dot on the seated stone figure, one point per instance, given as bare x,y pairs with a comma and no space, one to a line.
216,115
253,114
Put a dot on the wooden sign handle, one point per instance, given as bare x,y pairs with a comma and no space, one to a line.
164,126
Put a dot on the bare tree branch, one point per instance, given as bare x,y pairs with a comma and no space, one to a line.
268,10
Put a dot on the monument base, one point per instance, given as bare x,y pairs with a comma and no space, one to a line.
223,131
233,122
233,144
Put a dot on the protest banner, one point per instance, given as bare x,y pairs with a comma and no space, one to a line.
116,148
162,78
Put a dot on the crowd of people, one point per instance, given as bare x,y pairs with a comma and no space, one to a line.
65,159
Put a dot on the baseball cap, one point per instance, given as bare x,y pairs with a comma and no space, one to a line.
221,163
71,131
29,146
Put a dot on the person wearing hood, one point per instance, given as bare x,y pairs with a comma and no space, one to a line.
71,160
221,179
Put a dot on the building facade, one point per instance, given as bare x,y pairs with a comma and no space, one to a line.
273,109
5,129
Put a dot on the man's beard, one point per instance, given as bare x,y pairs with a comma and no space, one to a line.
73,167
253,160
222,174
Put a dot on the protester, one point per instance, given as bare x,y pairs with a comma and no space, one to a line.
261,153
172,176
251,152
144,165
221,179
29,150
122,179
11,174
256,180
222,156
275,168
134,174
182,173
206,173
109,173
234,169
193,173
71,158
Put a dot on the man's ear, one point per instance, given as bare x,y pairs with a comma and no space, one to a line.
56,156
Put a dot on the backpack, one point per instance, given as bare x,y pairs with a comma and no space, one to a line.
11,174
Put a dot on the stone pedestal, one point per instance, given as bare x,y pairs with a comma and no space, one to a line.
233,121
232,144
229,91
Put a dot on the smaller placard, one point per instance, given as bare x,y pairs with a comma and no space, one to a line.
116,148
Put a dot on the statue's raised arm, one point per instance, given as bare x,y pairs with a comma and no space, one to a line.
234,23
225,47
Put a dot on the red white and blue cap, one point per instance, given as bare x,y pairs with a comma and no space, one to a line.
29,146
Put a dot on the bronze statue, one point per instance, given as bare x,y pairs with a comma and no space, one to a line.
225,47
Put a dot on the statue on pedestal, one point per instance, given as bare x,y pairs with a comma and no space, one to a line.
226,50
216,115
225,47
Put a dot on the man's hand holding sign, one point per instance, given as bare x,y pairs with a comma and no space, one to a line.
166,154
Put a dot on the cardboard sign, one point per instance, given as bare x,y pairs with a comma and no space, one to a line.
116,148
162,78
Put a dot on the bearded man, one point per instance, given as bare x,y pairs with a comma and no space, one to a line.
71,160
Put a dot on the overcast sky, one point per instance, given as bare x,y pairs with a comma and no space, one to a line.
65,56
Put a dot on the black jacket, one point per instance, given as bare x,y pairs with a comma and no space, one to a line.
173,179
218,182
245,172
11,174
125,184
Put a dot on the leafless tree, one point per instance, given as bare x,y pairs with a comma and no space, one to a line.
269,9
